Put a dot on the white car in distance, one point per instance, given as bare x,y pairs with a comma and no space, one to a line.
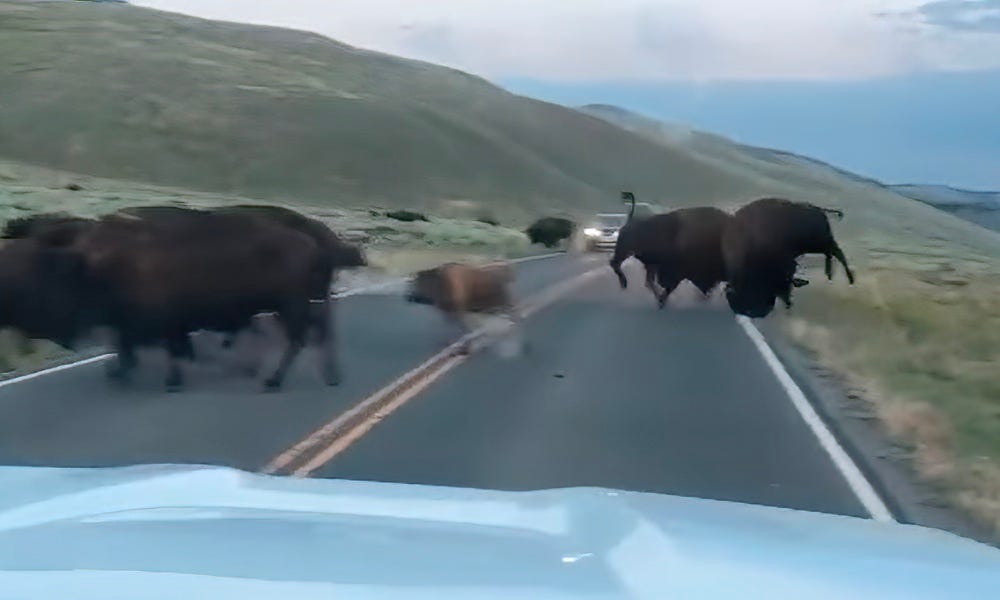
602,234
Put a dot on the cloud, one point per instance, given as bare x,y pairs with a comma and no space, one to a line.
963,15
646,40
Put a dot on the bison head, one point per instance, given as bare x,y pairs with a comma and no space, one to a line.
43,292
753,292
425,287
751,301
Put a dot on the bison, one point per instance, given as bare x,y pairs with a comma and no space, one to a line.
458,289
59,229
156,274
674,246
157,280
761,246
549,231
337,253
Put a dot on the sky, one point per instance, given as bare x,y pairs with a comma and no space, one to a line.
901,90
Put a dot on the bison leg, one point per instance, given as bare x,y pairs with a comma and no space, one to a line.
459,319
668,281
651,281
839,255
121,368
323,322
616,266
178,347
295,318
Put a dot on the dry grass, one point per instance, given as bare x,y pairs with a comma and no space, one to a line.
920,336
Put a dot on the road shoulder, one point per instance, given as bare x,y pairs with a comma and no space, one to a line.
849,417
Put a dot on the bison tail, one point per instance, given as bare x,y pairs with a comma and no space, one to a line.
629,196
833,211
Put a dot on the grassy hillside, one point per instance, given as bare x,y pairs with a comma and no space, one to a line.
127,92
918,337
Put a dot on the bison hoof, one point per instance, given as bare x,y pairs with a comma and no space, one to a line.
272,384
173,388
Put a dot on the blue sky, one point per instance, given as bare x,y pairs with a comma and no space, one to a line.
932,127
900,90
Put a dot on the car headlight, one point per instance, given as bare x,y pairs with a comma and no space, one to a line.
591,232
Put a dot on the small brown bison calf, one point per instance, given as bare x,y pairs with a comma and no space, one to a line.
459,289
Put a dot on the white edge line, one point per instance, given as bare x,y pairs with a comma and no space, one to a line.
535,257
855,479
368,288
316,438
343,294
55,369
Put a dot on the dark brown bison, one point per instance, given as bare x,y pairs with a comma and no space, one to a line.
674,246
549,231
60,230
761,246
157,280
459,289
337,253
156,277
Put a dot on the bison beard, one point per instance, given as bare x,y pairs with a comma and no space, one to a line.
457,290
761,246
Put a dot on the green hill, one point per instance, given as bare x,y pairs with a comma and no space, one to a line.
126,92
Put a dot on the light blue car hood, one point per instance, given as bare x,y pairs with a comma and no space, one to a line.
206,532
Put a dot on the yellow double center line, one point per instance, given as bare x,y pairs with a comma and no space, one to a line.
324,444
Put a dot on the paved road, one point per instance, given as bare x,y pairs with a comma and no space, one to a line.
617,394
613,393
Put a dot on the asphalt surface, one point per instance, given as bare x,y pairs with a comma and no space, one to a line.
611,392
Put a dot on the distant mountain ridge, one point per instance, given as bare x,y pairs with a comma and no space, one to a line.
982,208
